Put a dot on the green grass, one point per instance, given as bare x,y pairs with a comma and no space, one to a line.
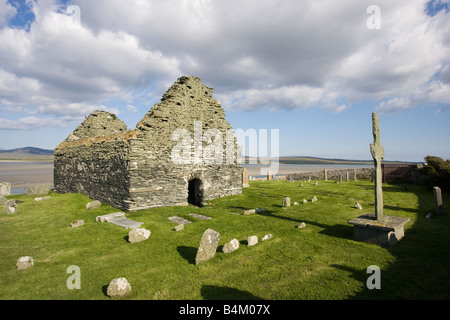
321,261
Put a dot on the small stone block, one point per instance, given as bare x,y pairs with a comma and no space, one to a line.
252,240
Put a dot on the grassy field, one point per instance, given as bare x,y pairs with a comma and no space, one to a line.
321,261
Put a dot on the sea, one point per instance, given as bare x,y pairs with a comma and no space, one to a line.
23,174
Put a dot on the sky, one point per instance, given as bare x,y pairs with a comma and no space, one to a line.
314,70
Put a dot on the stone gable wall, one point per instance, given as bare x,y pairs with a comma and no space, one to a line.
135,169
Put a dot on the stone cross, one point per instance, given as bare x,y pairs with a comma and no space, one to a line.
377,151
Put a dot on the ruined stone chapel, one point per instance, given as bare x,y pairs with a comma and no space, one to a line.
179,153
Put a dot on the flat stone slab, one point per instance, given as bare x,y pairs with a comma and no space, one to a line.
199,216
179,220
385,232
125,223
109,216
388,223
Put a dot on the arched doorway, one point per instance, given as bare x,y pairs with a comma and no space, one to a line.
195,192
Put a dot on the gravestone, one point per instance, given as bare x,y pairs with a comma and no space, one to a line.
179,220
347,176
301,226
24,263
93,205
340,178
291,179
231,246
5,188
325,175
269,175
358,206
109,216
119,219
77,223
118,288
286,202
199,216
40,190
354,174
267,237
138,235
42,198
438,200
314,199
252,240
126,223
208,246
10,207
252,211
245,178
378,228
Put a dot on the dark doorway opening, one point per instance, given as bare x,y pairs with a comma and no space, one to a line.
195,192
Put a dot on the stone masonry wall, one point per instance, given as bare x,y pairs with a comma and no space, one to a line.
156,178
136,169
93,160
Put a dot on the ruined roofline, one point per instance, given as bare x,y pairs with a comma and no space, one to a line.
99,126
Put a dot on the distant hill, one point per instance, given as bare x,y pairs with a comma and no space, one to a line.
27,153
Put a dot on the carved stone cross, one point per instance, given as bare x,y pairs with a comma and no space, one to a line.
377,151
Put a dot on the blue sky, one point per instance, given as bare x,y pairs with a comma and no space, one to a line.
314,70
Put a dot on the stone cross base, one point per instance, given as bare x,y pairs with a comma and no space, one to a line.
386,232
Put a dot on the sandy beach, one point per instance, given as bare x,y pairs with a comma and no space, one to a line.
22,174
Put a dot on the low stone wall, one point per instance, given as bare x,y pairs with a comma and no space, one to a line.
361,173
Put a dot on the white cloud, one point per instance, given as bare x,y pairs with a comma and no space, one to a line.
255,54
131,108
30,123
7,11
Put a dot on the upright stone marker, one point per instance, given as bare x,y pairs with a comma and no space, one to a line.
245,178
5,188
269,175
437,199
378,229
208,246
325,175
286,202
377,151
354,174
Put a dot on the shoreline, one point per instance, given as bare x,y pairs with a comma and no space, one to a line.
28,173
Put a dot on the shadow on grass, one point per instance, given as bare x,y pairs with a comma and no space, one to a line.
225,293
188,253
338,231
420,270
269,213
